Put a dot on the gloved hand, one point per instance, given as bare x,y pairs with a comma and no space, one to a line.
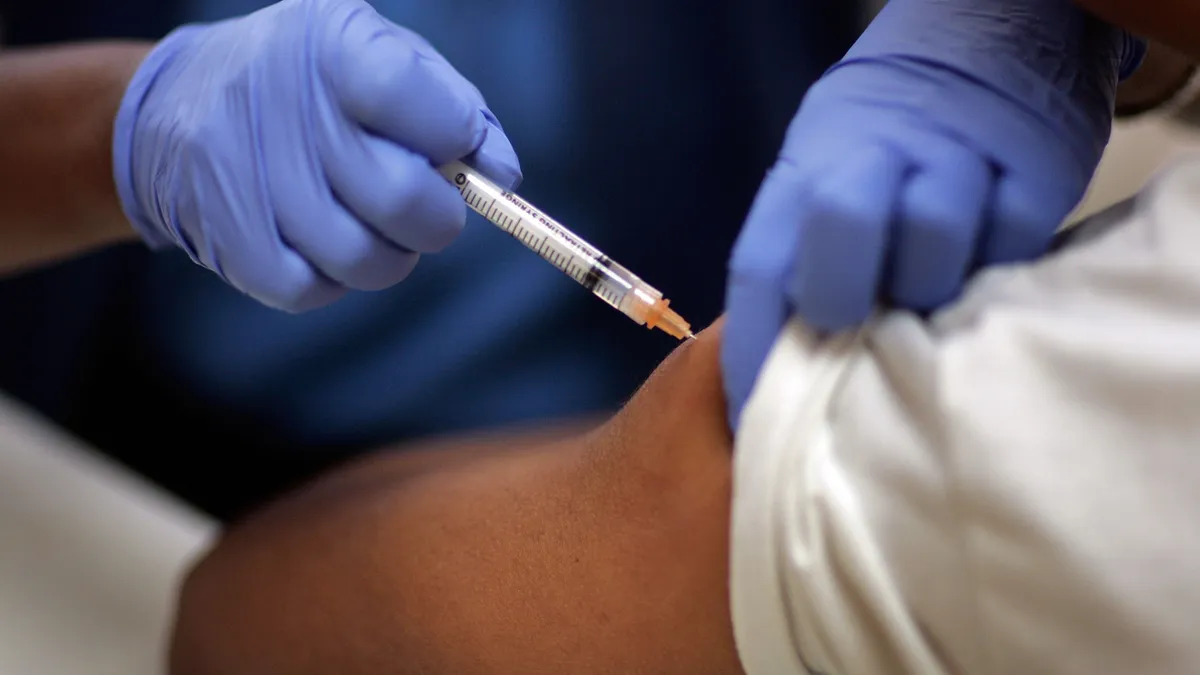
954,134
292,151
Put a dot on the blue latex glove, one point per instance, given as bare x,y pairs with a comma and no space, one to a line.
954,134
292,151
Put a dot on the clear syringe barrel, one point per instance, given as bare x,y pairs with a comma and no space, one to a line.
562,248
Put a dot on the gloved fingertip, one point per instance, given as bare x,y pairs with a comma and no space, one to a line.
831,317
835,294
495,157
1025,215
828,304
491,119
395,92
924,299
300,300
755,315
844,231
940,219
733,414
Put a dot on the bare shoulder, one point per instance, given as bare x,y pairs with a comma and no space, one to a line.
595,551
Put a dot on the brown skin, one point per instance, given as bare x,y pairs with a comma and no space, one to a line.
1163,73
57,107
1171,22
589,553
1173,30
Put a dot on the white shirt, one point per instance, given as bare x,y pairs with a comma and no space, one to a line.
1012,488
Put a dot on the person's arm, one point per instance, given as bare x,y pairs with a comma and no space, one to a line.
57,194
583,554
1170,22
1161,79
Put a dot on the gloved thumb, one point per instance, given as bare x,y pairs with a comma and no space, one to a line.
496,158
390,81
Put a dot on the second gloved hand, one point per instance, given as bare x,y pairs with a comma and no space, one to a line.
954,134
293,151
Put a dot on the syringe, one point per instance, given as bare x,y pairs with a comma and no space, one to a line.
560,247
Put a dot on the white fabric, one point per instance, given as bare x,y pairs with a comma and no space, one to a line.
91,556
1012,488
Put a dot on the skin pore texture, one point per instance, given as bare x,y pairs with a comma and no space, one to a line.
590,551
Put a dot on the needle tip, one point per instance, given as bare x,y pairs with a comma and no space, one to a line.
669,322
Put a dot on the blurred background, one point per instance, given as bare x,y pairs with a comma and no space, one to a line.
146,403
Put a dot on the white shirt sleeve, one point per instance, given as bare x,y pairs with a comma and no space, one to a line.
1010,488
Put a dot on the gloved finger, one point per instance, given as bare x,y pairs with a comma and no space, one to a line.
844,229
256,261
313,221
755,313
384,81
941,211
496,158
396,192
1026,212
754,301
320,229
285,282
442,68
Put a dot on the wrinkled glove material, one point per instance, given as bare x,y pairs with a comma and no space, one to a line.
954,134
293,151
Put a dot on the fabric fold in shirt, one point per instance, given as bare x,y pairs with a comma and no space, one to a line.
1008,488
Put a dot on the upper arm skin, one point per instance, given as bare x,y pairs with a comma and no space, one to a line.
57,194
1172,22
591,554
